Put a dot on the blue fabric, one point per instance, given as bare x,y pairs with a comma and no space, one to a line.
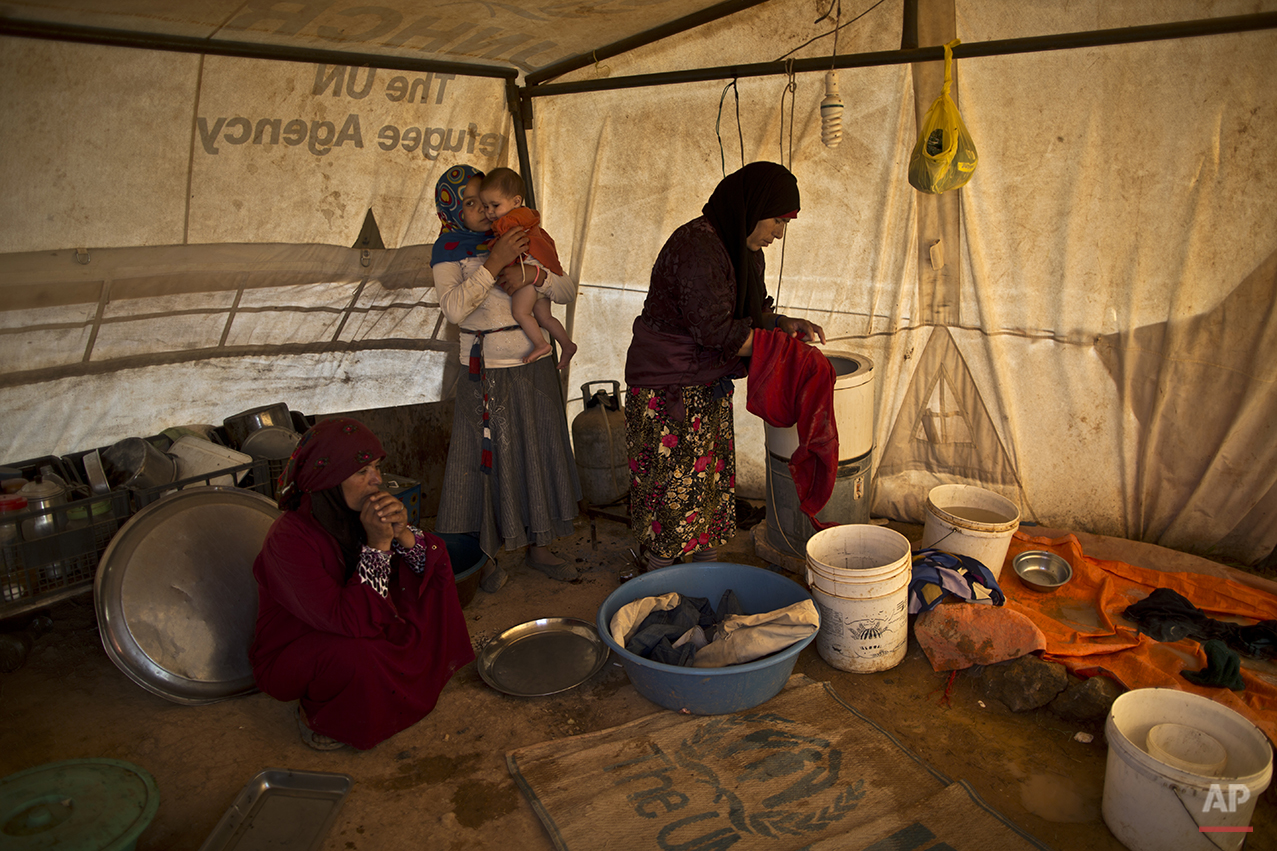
654,639
937,575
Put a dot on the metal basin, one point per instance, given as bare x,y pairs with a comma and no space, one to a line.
1042,570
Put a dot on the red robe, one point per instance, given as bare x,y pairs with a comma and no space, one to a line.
364,667
792,383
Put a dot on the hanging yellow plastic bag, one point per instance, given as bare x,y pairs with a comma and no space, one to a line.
944,156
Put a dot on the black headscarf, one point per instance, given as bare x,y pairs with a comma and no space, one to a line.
741,200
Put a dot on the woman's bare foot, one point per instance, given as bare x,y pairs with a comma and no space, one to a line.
537,353
569,349
548,563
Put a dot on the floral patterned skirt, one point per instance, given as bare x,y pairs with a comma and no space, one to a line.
683,474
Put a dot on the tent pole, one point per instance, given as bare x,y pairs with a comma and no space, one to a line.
243,50
521,112
1001,47
704,16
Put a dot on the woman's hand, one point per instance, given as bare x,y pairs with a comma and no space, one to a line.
799,328
506,250
514,278
385,519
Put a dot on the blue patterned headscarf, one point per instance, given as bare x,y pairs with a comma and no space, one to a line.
456,242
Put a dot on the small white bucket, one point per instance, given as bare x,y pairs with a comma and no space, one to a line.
1151,805
859,578
970,521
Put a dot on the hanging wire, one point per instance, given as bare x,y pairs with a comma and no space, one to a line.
833,57
718,127
834,32
790,88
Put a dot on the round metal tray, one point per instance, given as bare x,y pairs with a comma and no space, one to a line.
175,595
274,443
541,657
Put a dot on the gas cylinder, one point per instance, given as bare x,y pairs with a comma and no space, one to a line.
598,441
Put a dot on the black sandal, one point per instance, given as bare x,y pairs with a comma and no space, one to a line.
318,741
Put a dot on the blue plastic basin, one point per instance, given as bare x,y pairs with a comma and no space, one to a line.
467,560
708,691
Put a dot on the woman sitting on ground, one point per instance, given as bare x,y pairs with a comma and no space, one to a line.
358,616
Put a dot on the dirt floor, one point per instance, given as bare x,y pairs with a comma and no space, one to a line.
443,784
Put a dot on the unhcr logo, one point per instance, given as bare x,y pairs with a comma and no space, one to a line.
1238,793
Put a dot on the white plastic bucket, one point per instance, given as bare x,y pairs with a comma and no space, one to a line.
1151,805
853,410
971,521
859,578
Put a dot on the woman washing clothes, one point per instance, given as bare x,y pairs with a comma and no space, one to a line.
704,302
510,476
358,617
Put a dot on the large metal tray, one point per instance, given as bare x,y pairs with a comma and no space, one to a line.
175,595
541,657
281,810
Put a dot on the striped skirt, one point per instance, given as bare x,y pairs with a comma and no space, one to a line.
531,495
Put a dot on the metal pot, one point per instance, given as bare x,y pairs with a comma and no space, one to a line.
136,463
240,425
41,497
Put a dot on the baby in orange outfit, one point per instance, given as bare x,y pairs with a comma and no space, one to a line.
502,192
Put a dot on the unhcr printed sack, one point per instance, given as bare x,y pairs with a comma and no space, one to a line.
944,157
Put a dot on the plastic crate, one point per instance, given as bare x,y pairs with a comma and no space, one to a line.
37,570
31,470
253,476
409,493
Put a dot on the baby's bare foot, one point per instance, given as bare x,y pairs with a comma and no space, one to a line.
569,349
539,352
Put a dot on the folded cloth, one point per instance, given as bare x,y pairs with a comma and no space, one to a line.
744,638
1223,668
792,383
937,575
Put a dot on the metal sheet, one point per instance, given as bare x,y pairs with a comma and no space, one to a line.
542,657
281,810
175,595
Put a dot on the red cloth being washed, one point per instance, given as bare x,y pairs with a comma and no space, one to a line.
364,667
541,246
792,383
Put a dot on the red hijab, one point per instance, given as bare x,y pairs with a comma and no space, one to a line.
330,452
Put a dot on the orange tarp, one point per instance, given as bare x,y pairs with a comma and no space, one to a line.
1086,632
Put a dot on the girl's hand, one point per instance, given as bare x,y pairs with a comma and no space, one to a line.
506,250
516,277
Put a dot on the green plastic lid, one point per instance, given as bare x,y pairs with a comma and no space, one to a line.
81,512
77,805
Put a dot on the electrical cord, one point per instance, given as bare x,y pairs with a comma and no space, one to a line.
718,127
832,32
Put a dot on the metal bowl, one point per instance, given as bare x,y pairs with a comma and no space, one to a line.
1042,570
240,426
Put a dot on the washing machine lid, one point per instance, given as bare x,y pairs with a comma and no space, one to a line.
175,595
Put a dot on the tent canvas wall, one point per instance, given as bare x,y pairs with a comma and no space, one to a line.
1094,337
